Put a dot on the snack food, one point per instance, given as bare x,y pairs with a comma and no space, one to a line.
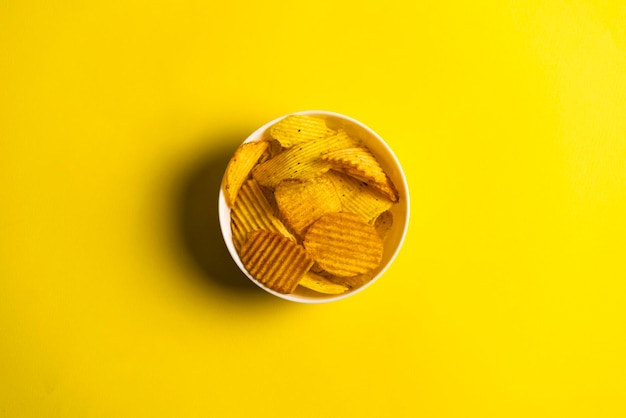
362,165
253,212
344,245
301,203
296,129
239,166
275,260
301,161
321,284
358,197
318,191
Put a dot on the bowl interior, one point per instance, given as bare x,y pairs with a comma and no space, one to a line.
400,210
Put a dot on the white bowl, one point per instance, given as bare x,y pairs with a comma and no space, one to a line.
400,210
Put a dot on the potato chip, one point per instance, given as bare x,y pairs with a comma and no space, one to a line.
252,212
296,129
301,161
361,164
274,260
239,166
321,284
343,244
358,197
300,203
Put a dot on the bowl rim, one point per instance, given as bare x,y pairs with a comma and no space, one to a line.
224,212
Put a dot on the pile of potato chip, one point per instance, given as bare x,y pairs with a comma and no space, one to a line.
309,207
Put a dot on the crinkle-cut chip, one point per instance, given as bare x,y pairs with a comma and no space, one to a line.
301,161
296,129
239,167
361,164
321,284
383,224
300,203
343,244
252,212
274,260
357,197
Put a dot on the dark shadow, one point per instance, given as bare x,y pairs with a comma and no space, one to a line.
198,221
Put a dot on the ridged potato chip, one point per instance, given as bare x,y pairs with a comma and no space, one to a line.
252,212
344,245
239,166
300,203
361,164
296,129
275,261
301,161
358,197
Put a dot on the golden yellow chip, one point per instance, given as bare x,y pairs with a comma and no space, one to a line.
321,284
275,261
252,212
358,197
296,129
300,203
239,166
361,164
344,245
302,161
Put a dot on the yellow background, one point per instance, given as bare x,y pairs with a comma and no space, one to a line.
117,296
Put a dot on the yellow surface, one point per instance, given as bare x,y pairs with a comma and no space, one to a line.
117,296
